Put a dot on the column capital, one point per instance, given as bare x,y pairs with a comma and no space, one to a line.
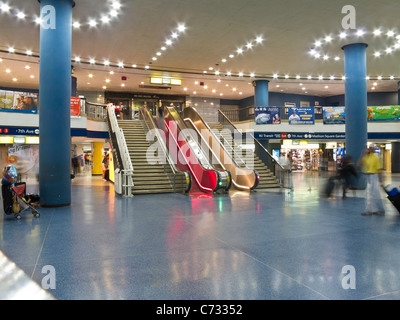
354,44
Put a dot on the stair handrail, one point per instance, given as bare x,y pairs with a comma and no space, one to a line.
146,115
279,170
126,165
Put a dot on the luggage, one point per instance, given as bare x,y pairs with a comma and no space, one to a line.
393,196
330,186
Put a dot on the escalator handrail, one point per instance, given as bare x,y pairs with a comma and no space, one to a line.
215,137
211,168
144,110
255,140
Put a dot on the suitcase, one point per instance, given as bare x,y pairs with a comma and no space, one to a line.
330,186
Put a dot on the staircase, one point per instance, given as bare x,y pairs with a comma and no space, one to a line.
267,178
147,178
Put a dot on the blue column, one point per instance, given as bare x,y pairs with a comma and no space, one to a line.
55,94
355,67
261,96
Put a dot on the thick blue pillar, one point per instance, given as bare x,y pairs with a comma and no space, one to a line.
55,94
355,67
261,94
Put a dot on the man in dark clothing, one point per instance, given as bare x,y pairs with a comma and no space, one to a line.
345,172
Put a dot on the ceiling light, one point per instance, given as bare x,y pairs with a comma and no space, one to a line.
92,61
163,48
249,45
104,87
328,39
194,92
122,84
312,52
4,7
11,50
214,91
373,88
391,77
259,39
108,80
240,93
147,67
332,77
303,89
360,33
344,78
228,73
337,58
90,75
317,55
239,51
275,76
317,44
77,59
28,52
240,74
219,80
134,66
120,64
309,77
76,25
390,34
377,54
377,32
181,28
106,63
234,89
326,87
105,19
217,73
227,85
27,67
21,15
326,57
231,56
287,76
158,53
321,78
116,5
375,84
111,72
368,78
223,60
15,79
38,20
174,35
300,84
297,77
380,78
389,50
210,68
113,13
92,23
343,35
204,71
252,75
168,42
32,76
154,59
8,71
184,89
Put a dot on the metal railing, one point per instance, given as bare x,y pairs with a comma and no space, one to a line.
281,173
120,148
170,168
93,111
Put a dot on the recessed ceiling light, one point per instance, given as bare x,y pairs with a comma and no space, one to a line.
28,52
240,74
111,72
38,20
223,60
8,71
21,15
92,61
181,27
122,84
147,67
229,73
231,56
108,80
104,87
240,93
106,63
76,25
15,79
32,76
105,19
120,64
77,59
90,75
326,87
210,68
113,13
214,91
194,92
134,66
239,51
4,7
168,42
219,80
342,35
184,89
377,32
11,50
158,53
92,23
163,48
259,39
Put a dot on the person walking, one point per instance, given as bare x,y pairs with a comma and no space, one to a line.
346,171
369,163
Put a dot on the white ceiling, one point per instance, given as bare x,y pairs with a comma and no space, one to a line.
214,29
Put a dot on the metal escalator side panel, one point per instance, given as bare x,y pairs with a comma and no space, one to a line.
207,180
242,178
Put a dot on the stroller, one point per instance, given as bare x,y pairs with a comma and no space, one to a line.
15,199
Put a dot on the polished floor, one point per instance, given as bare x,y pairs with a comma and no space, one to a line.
270,245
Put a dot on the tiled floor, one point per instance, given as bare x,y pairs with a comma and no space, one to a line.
267,245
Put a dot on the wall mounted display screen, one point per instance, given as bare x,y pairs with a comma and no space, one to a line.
384,113
301,116
267,115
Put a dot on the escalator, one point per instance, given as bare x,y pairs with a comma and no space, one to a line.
221,153
184,147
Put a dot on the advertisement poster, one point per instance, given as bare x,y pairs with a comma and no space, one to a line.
21,102
384,113
334,115
75,107
302,115
267,115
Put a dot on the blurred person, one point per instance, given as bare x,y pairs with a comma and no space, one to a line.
369,163
346,171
